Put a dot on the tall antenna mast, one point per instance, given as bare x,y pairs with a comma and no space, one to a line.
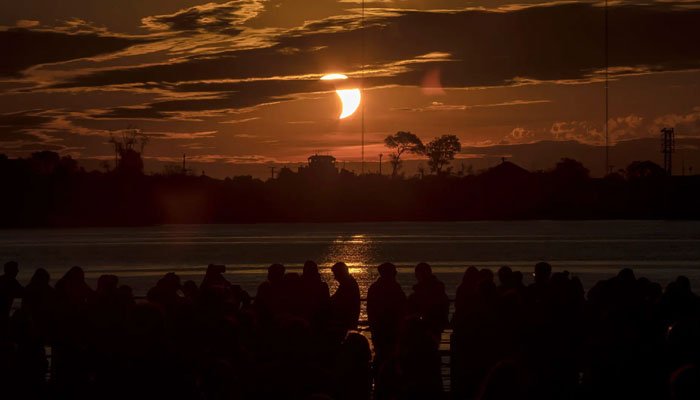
362,86
607,87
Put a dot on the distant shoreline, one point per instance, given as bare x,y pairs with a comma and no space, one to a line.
49,191
341,222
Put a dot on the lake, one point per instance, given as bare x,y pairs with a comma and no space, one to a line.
592,250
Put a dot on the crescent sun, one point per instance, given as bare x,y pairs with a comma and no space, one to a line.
349,98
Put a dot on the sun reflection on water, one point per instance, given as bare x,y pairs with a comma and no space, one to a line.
359,252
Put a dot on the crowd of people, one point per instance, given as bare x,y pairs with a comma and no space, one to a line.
626,338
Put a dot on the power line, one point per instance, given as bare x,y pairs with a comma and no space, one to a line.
607,89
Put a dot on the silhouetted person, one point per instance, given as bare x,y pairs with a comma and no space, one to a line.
190,291
352,376
39,302
315,294
505,277
429,300
418,361
386,308
292,295
345,302
214,278
466,296
504,382
71,289
270,296
107,287
678,301
10,289
628,339
166,293
126,294
538,291
685,383
70,353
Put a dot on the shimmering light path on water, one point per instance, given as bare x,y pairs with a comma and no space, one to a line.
592,250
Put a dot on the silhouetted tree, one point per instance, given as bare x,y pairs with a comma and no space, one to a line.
441,151
127,158
402,142
44,162
644,169
568,169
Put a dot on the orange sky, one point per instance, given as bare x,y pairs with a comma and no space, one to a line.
235,84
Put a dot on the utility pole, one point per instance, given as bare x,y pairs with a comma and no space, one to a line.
668,147
272,172
362,86
607,89
184,164
380,163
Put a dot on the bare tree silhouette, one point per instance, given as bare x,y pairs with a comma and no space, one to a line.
402,142
125,142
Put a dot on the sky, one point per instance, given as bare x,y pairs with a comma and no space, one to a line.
236,85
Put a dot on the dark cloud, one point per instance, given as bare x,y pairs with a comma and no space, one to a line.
210,17
131,113
117,15
550,43
14,126
23,48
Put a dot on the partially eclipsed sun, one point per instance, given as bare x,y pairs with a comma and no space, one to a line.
350,98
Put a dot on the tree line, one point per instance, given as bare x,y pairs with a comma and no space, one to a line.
46,189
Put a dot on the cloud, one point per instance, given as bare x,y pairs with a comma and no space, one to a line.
27,23
519,135
628,127
17,126
560,42
181,135
687,124
580,131
218,158
439,106
625,128
240,121
23,48
210,17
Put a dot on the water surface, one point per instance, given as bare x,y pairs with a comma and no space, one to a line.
592,250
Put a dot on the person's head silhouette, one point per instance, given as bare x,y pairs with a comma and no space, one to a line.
310,269
683,283
423,272
275,273
75,274
542,272
11,269
340,271
107,283
626,275
387,271
505,275
41,277
470,275
171,281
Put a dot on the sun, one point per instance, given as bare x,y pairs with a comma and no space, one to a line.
350,98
